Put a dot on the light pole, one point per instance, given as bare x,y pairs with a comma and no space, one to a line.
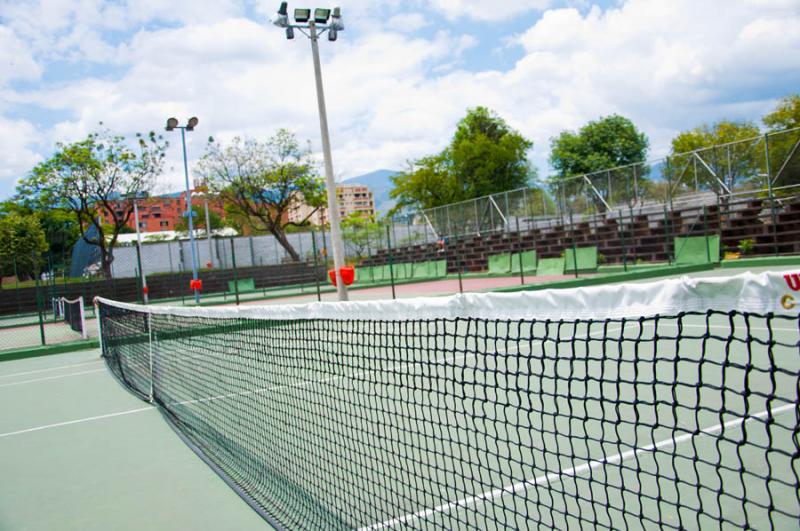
172,124
322,21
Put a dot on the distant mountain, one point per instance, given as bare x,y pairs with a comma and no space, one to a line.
380,184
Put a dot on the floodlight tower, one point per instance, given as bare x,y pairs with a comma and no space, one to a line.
172,124
312,27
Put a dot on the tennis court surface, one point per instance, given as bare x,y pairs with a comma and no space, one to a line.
670,404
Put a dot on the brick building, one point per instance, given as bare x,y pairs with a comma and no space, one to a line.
162,213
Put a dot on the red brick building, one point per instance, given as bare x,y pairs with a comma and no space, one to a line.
160,213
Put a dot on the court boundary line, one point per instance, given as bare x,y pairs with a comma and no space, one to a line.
77,421
51,368
573,471
48,378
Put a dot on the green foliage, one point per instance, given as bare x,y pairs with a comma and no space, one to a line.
599,145
746,246
262,183
22,243
199,220
89,176
724,155
484,157
59,226
784,146
786,115
360,235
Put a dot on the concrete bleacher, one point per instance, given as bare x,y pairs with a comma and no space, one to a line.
644,234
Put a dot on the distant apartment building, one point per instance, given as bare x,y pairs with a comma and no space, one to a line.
161,213
351,199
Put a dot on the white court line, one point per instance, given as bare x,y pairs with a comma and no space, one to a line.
574,471
78,421
51,368
51,377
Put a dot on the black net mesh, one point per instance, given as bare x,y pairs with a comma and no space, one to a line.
71,312
683,421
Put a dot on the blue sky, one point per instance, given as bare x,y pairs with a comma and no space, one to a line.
398,79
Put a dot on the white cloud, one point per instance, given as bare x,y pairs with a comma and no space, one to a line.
488,11
16,140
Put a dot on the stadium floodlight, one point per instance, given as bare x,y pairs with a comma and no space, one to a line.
172,124
302,15
321,16
329,20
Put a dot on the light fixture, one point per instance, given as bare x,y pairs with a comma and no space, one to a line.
281,18
301,16
192,123
321,16
172,123
290,33
336,20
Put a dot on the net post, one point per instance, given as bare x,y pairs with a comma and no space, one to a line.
98,316
391,267
150,351
82,314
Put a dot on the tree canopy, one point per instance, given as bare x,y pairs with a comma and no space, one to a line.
22,242
599,145
717,157
199,221
786,115
99,174
485,156
265,184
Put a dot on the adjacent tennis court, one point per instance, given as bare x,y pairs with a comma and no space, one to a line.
485,413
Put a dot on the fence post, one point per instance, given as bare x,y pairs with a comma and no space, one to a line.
705,231
519,254
574,244
391,267
39,299
316,264
235,272
771,197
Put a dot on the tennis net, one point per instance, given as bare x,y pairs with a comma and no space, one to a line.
72,313
644,405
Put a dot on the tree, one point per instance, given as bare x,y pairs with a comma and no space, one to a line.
199,222
101,174
784,144
22,242
719,157
58,224
360,234
786,115
267,185
485,156
599,146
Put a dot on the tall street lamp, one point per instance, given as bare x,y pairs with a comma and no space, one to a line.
172,124
323,20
